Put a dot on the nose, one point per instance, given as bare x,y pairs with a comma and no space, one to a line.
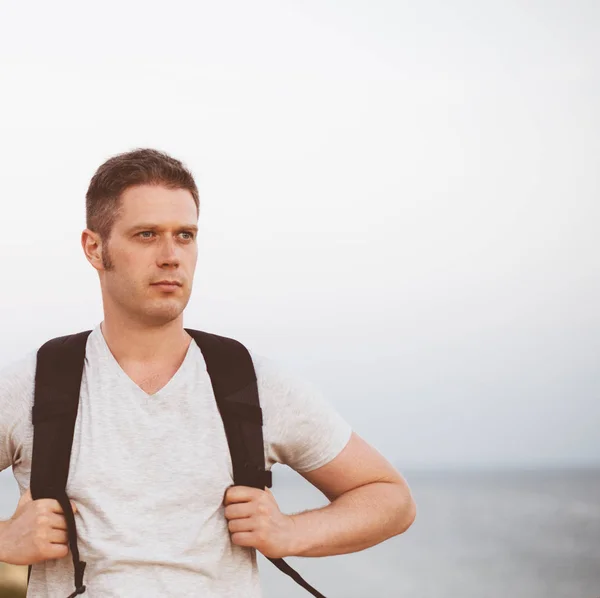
168,254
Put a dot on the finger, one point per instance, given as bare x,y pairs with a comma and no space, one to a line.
53,505
236,494
239,510
243,539
57,521
241,525
56,536
57,551
49,505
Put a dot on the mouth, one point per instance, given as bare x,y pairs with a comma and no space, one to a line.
167,286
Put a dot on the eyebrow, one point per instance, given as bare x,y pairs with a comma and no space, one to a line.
184,227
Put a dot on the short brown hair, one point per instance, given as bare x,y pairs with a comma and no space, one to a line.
117,174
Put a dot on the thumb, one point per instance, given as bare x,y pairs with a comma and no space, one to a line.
25,498
23,502
73,506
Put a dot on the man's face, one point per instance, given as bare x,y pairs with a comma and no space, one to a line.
153,239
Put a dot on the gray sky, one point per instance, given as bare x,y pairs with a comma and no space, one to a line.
398,199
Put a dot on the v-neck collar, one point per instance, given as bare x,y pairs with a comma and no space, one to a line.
123,374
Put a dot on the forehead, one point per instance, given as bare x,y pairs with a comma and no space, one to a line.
158,204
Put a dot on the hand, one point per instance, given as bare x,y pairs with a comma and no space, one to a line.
256,521
36,532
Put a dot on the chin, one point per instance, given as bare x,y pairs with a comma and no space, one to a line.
157,318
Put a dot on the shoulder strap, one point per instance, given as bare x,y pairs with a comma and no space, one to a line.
56,400
234,383
59,371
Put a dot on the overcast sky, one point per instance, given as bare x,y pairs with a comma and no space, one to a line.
399,200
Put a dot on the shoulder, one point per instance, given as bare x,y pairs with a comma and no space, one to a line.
303,429
276,377
17,387
18,374
290,398
17,384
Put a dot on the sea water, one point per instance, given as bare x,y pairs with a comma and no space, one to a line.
486,534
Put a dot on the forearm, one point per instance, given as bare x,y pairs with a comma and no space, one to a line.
3,549
356,520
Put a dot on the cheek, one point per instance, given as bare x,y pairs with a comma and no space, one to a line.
129,277
125,287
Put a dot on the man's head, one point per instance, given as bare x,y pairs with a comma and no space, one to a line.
142,210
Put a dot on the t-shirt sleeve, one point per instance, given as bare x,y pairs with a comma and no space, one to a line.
301,428
17,382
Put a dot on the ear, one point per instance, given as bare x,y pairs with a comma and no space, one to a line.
92,248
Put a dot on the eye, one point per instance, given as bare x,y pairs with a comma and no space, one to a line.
191,235
144,232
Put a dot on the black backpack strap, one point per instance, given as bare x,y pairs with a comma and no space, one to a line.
58,377
59,372
234,383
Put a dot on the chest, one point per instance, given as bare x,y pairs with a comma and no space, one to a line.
150,452
151,379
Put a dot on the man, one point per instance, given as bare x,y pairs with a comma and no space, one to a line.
150,475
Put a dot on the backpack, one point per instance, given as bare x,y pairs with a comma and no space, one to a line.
58,376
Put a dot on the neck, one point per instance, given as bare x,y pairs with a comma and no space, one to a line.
131,341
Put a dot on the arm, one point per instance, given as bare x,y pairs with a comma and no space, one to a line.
371,502
3,549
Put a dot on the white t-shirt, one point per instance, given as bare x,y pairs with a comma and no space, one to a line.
149,473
